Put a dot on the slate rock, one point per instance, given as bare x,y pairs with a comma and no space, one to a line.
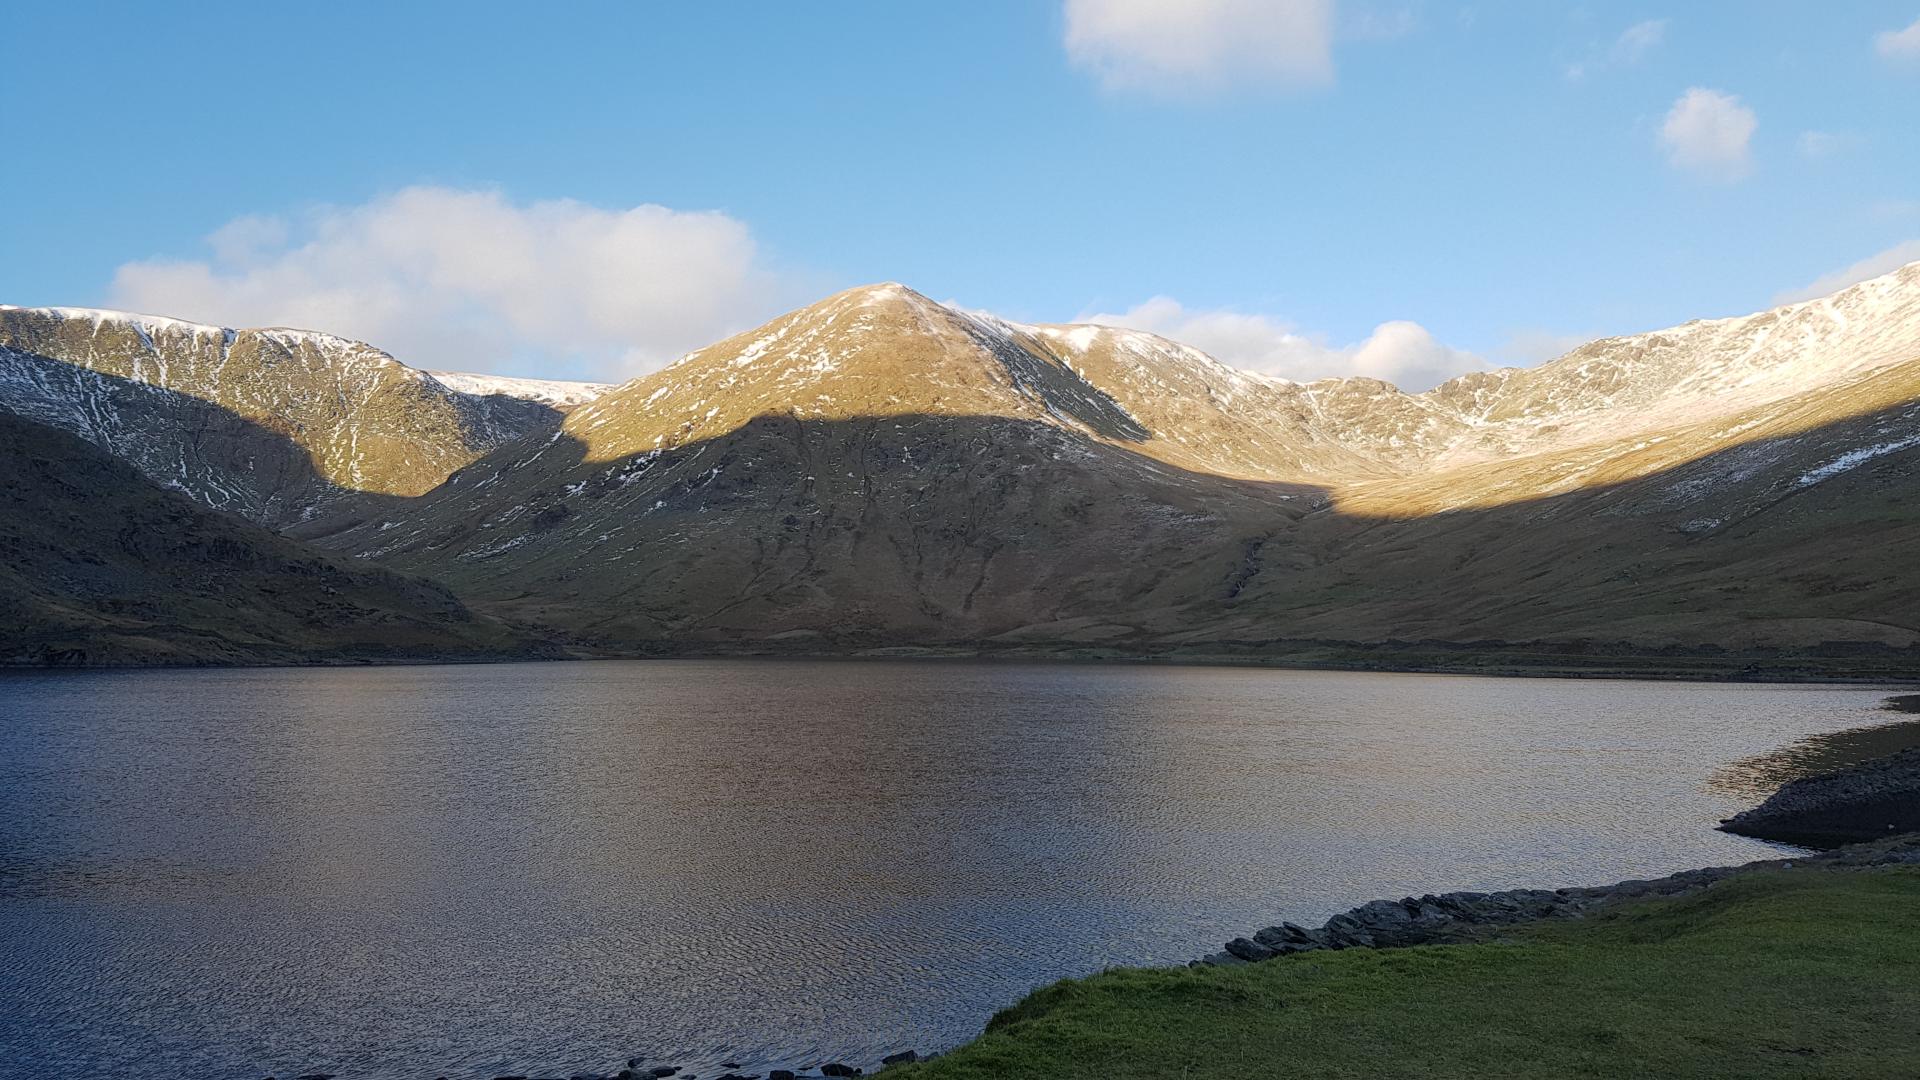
1250,951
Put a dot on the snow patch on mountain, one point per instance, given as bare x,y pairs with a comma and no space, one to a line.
1853,459
559,393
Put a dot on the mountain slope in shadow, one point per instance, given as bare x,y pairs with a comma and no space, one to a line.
991,533
104,567
906,528
1812,553
881,470
270,424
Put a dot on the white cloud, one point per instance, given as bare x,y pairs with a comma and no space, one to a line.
1633,44
1826,144
1194,47
1872,266
1636,40
1709,134
1899,44
468,280
1402,353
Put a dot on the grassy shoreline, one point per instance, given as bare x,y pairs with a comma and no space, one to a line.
1809,971
1803,966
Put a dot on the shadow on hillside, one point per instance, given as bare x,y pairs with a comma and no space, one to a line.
188,443
745,536
1068,531
780,464
257,468
1047,378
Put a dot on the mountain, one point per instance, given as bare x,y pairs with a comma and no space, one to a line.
878,464
879,469
101,565
559,394
271,424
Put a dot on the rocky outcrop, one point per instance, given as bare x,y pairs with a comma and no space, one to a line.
1462,916
1861,802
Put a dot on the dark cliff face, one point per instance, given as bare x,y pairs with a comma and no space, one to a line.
100,566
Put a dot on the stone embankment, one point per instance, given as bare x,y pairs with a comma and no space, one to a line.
1464,916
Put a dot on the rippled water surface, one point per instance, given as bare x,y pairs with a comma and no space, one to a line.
548,868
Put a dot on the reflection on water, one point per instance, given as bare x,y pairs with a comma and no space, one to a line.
473,871
1754,778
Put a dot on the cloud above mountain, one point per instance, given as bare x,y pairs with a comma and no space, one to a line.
1710,134
1400,352
470,280
1187,48
1882,262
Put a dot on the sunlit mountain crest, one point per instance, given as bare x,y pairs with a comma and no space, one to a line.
269,423
882,467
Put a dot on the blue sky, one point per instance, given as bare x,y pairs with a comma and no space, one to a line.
1274,180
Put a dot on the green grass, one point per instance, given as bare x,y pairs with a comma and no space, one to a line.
1803,973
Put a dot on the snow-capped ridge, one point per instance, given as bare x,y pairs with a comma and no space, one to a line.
272,423
885,350
145,323
557,392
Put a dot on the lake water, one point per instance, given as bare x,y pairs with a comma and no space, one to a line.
548,868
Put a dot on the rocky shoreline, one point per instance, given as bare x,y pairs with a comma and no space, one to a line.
1873,806
1456,917
638,1069
1863,802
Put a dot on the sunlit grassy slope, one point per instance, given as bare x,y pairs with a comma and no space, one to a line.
1803,973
